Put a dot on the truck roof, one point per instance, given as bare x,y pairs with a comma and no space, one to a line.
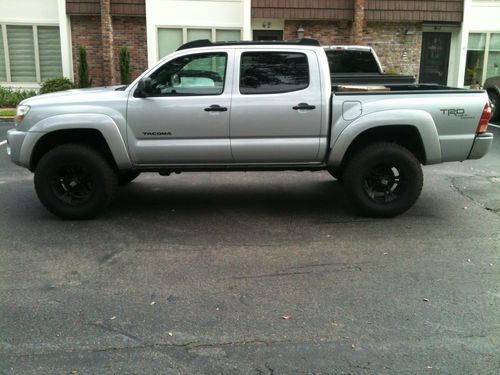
207,43
348,47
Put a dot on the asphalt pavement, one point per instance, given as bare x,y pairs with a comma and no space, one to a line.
253,273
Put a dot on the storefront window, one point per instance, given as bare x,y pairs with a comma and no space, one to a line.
475,59
493,67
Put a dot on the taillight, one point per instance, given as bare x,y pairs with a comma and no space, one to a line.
485,118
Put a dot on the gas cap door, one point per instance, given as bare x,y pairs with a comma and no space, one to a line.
351,110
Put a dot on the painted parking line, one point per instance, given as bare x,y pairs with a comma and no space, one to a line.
2,143
495,126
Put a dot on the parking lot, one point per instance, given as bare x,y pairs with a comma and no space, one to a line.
253,273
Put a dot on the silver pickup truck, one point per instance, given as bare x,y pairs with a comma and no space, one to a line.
245,106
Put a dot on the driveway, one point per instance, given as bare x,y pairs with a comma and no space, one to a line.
252,273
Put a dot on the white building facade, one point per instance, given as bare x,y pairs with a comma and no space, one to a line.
34,42
171,23
480,57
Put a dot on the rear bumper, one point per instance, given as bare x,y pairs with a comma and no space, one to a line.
481,145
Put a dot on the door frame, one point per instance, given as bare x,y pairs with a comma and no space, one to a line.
422,54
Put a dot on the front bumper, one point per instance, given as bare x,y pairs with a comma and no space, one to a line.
15,141
481,145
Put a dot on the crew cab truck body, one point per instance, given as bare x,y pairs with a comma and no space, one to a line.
245,106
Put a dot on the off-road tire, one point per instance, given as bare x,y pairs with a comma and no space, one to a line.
336,173
127,177
383,179
74,181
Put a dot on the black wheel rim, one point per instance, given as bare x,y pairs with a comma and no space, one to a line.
72,185
383,183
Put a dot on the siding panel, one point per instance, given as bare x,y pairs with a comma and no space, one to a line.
375,10
118,7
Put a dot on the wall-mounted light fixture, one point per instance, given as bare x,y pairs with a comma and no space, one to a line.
409,32
300,32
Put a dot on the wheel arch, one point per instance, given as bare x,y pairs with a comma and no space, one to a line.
419,135
96,130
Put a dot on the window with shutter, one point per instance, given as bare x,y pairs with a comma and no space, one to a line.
168,41
228,35
3,75
49,47
21,53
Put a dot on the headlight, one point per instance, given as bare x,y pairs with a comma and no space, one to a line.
22,111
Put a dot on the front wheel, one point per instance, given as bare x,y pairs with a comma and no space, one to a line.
74,181
127,177
383,179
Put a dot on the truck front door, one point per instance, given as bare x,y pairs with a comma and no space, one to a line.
276,107
183,116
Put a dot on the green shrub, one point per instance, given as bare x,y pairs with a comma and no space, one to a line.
11,98
125,71
56,84
84,79
391,71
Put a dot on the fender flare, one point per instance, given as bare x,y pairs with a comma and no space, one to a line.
420,120
100,122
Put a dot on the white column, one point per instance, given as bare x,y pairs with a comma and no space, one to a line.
151,34
65,35
463,38
247,19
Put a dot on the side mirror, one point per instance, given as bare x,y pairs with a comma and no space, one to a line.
144,88
175,80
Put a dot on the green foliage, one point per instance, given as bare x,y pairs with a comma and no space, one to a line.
125,70
56,84
84,79
391,71
11,98
8,112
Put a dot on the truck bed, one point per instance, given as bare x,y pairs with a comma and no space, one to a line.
361,88
371,78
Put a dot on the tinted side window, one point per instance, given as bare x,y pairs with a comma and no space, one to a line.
349,61
200,74
273,72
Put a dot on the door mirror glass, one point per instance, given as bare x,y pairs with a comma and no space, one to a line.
176,80
144,88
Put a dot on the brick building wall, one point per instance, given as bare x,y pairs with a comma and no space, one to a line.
396,50
127,31
86,30
327,32
131,32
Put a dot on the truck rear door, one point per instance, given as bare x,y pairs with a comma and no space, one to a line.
276,106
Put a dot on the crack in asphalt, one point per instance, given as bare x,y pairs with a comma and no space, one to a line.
144,345
108,328
463,193
346,267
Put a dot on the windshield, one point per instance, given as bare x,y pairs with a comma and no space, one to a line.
351,61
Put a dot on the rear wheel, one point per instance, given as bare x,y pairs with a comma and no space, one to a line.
74,181
383,179
127,177
495,103
335,173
